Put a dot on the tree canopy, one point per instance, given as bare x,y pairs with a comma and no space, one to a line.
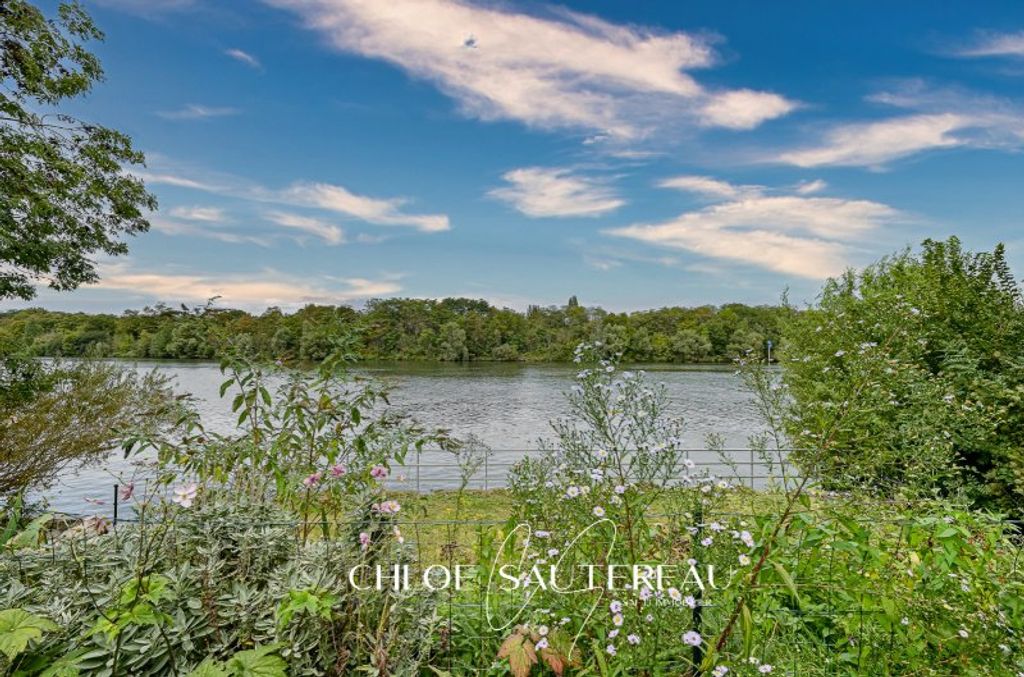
452,329
64,191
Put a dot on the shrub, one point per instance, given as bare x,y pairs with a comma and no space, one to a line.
931,349
54,416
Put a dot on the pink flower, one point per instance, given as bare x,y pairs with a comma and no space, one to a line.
313,479
338,470
127,491
378,472
387,507
364,540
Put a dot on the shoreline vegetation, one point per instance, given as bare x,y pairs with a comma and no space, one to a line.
406,330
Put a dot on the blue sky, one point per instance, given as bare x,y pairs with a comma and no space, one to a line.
634,154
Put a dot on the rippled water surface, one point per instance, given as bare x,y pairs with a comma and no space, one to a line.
507,406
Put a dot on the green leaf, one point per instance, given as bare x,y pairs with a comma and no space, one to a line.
787,580
29,536
209,668
18,628
258,662
12,521
747,625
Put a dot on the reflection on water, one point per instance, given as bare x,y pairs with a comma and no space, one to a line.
507,406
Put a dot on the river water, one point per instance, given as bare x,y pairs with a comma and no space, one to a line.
507,406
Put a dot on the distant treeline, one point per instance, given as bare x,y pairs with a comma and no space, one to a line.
452,329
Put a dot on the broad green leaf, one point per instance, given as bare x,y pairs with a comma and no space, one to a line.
29,536
258,662
18,628
209,668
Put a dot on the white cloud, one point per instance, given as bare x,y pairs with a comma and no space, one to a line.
384,212
811,187
937,118
875,143
555,191
195,111
205,230
209,214
704,185
804,236
328,232
307,195
996,44
167,179
561,70
744,109
602,264
257,290
244,57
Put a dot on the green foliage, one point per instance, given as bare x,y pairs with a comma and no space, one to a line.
453,330
59,414
65,194
18,628
927,354
201,592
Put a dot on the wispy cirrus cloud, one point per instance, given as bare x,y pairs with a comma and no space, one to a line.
934,118
305,195
553,69
197,213
804,236
195,111
255,290
244,57
328,232
209,231
556,192
384,212
876,143
994,44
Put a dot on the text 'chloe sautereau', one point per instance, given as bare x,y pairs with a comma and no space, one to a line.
510,577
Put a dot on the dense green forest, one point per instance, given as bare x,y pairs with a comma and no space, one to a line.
451,329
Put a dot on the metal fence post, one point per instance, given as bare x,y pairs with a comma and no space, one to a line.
116,497
487,472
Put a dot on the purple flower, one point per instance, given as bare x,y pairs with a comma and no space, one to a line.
692,638
364,540
747,539
615,606
542,643
127,491
313,480
378,472
338,470
633,639
611,650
